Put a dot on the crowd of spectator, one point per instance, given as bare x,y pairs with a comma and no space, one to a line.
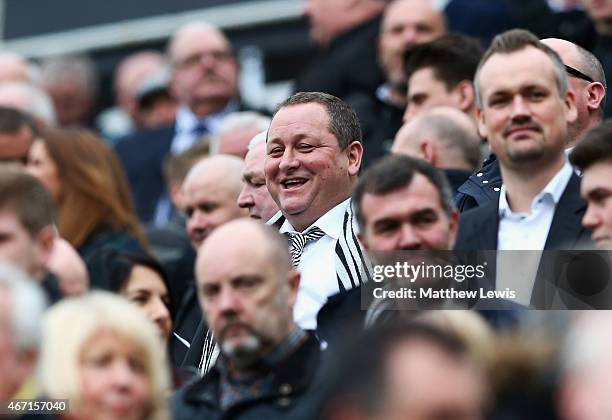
183,256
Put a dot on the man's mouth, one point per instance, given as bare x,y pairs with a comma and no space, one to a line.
293,183
520,130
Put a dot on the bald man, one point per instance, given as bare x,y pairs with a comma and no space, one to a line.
210,190
587,81
445,137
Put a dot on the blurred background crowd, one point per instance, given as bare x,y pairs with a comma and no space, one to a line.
136,139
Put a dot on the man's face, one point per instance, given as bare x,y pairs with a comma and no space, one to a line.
595,188
248,306
598,9
205,70
306,172
408,219
424,383
255,195
209,203
17,246
15,146
523,115
406,23
324,17
426,91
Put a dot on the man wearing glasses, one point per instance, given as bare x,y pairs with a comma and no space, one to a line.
588,83
204,80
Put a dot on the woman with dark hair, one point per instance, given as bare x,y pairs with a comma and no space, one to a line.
90,189
140,279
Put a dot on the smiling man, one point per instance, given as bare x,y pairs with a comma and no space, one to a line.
313,159
593,156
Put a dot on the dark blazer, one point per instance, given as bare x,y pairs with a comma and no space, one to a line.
478,230
294,396
349,65
142,155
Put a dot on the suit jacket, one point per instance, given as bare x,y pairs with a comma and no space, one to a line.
142,155
478,230
479,227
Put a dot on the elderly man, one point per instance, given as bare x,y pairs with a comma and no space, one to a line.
21,307
313,159
236,132
267,363
254,195
404,24
445,137
210,192
204,82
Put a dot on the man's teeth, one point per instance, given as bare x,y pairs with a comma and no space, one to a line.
295,181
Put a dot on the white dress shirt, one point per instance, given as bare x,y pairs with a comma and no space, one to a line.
187,121
318,266
526,235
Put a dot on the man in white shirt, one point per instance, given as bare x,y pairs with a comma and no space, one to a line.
313,159
524,110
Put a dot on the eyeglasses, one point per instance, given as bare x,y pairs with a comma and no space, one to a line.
194,59
577,73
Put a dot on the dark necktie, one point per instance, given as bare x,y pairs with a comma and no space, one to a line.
299,240
199,130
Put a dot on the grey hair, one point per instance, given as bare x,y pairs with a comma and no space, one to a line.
37,102
258,139
28,305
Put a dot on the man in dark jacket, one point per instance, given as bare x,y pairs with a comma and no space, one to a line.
267,364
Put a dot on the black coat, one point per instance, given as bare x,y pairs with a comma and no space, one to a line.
142,155
295,396
349,65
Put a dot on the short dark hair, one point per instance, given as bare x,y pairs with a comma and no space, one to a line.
516,40
394,172
28,198
12,121
364,388
343,121
596,146
452,57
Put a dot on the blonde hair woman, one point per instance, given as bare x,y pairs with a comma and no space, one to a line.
102,354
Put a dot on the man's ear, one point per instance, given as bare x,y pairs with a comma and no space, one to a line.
429,152
354,152
596,94
467,97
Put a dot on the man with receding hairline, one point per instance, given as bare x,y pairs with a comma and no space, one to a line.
267,364
204,76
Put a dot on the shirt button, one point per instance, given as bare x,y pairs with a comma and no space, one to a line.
485,182
479,174
496,189
283,402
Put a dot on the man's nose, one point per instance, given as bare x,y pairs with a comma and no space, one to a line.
245,199
409,239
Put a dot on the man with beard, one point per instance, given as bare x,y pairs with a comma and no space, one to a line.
204,82
267,363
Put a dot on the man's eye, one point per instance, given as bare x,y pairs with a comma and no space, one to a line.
188,212
275,152
305,146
